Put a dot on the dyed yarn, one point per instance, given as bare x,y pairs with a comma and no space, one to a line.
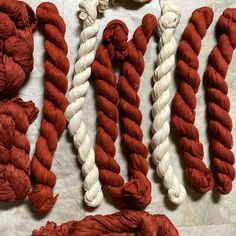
122,223
15,117
17,22
184,102
76,98
162,78
54,122
218,104
137,191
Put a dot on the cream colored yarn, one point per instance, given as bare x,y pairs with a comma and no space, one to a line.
76,98
168,21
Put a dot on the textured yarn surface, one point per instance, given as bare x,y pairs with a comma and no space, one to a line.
53,123
162,79
15,117
17,21
125,223
137,191
218,104
184,102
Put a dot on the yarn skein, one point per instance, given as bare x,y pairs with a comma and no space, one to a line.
137,191
184,102
15,117
162,78
54,122
125,223
218,104
76,98
17,22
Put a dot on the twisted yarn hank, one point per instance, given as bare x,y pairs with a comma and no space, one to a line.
218,104
184,102
17,22
161,97
137,191
76,98
15,117
54,122
121,223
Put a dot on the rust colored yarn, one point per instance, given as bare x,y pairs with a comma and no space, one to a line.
15,117
218,104
54,122
137,191
184,102
17,21
123,223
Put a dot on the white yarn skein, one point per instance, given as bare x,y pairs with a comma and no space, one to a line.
168,21
76,98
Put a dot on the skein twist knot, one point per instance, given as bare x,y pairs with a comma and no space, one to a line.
184,102
125,223
137,191
76,98
54,122
17,21
161,98
15,117
218,104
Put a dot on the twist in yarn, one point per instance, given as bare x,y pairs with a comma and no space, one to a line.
15,117
76,98
184,102
54,122
125,223
218,104
17,21
161,97
137,191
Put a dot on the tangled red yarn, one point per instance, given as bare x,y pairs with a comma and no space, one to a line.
125,223
184,102
137,191
15,117
17,21
54,122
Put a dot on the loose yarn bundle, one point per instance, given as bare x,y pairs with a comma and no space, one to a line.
125,223
15,117
17,22
137,191
161,97
184,102
54,122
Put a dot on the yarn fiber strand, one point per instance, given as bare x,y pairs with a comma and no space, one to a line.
137,191
184,102
15,117
218,104
162,78
76,98
53,123
125,223
17,22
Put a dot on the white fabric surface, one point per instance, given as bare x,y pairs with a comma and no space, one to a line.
208,214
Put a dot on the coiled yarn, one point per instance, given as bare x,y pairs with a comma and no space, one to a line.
162,78
17,22
218,104
137,191
54,122
125,223
15,117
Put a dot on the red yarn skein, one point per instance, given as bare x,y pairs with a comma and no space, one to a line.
54,122
125,223
137,191
15,117
17,21
218,104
